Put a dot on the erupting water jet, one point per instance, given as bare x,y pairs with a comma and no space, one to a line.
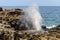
33,17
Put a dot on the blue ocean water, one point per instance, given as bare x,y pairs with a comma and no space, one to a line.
50,14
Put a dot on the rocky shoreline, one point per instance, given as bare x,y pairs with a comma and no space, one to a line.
10,30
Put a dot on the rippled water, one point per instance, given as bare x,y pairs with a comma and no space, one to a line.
51,15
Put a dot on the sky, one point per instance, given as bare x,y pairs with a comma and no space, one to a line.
29,2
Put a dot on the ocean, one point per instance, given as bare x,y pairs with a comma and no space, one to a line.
50,14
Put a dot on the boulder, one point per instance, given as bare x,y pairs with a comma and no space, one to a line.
43,27
1,9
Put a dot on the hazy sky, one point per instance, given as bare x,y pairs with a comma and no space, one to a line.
29,2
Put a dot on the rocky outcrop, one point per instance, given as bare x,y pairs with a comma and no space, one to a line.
8,23
11,17
11,30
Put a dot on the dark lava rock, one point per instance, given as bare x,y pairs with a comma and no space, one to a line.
18,9
43,27
1,9
58,26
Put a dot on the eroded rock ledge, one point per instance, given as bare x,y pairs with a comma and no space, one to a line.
10,30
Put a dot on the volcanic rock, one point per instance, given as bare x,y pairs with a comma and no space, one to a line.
1,9
43,27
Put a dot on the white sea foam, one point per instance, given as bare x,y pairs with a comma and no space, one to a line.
51,26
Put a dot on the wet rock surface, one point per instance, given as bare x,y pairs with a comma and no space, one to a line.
11,30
